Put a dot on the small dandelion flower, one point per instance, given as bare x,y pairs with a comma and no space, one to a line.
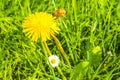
96,49
40,25
54,60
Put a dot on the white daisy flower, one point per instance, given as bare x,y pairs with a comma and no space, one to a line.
54,60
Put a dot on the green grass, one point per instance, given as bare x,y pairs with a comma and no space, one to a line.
89,23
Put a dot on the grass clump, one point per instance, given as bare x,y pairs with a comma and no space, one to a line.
88,24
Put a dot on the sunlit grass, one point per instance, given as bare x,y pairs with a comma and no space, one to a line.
88,23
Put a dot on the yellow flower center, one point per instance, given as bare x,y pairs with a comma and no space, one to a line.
53,61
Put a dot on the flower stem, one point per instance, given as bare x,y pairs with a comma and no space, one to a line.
61,49
48,50
58,68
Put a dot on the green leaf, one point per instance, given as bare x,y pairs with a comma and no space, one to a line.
95,59
79,71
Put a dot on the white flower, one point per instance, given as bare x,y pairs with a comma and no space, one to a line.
110,53
54,60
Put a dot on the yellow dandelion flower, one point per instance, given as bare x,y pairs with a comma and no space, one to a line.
40,25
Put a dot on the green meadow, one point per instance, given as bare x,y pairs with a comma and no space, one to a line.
89,35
